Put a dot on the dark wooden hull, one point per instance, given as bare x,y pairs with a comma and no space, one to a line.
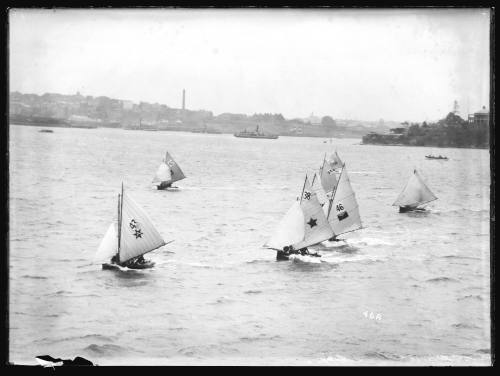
402,209
146,265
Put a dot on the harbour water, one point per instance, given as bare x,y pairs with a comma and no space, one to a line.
409,289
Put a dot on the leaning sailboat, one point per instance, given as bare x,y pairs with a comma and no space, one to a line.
129,238
342,212
304,225
168,172
414,194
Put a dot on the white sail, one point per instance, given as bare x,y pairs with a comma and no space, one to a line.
328,177
109,245
335,162
175,170
343,213
415,193
138,235
318,189
162,174
290,230
316,227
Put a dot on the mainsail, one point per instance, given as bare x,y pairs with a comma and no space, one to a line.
415,193
162,174
328,177
108,246
318,189
290,230
304,224
137,234
168,171
343,211
335,162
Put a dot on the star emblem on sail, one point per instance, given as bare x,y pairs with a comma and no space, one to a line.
415,193
304,224
168,172
134,235
343,212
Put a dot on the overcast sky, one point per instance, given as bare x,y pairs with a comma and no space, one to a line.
356,64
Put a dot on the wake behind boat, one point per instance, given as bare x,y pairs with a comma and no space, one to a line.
129,238
168,172
414,194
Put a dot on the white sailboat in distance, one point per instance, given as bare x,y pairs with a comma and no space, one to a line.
414,194
129,238
168,172
304,225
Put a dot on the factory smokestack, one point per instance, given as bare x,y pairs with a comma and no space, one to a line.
183,99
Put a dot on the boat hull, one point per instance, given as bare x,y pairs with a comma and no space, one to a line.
406,210
443,159
250,136
146,265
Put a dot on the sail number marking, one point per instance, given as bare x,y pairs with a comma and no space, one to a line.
372,316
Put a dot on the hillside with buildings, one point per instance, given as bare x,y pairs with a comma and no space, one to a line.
452,131
87,111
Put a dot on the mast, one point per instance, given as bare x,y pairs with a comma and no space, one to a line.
302,193
119,227
120,208
322,165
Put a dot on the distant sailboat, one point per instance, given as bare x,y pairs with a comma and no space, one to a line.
414,194
343,211
168,172
304,224
128,239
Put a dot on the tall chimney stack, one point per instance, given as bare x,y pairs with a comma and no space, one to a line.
183,99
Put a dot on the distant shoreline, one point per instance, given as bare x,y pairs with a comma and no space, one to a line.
430,146
173,129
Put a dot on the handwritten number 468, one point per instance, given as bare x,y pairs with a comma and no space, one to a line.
372,316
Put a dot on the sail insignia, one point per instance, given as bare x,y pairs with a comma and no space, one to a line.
138,234
316,227
343,212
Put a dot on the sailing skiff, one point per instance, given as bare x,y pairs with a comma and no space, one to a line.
168,173
414,194
129,237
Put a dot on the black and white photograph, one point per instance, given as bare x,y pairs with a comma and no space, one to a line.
250,186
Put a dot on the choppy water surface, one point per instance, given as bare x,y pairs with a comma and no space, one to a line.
408,289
